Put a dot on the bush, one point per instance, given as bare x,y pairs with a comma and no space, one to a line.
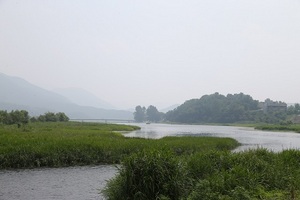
149,175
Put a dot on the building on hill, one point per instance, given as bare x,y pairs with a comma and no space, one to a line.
274,106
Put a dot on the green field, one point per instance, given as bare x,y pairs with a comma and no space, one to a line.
57,144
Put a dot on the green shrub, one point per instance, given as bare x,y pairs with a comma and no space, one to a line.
149,175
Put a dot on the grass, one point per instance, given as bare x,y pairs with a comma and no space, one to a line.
266,127
255,174
75,143
208,175
278,127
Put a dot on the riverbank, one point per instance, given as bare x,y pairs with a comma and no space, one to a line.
271,127
277,127
261,126
76,143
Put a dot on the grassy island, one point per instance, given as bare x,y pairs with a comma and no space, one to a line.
59,144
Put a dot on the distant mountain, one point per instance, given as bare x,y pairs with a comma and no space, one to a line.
14,90
17,93
83,98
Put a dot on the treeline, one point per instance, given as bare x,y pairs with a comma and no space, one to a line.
218,108
51,117
151,114
215,108
22,117
294,109
14,117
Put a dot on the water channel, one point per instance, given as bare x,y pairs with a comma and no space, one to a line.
84,183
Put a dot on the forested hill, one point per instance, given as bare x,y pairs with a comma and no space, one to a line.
215,108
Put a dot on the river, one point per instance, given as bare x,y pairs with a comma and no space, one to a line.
84,183
248,137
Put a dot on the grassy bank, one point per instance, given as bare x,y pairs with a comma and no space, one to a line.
266,127
76,143
213,175
278,127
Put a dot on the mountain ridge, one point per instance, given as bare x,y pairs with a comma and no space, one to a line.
18,93
83,97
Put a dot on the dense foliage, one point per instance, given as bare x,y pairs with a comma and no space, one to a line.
22,117
150,114
51,117
209,175
294,109
14,117
215,108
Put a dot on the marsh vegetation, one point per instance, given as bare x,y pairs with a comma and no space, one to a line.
209,175
167,168
279,127
56,144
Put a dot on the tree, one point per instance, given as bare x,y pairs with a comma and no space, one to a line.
50,117
297,108
152,114
62,117
139,114
41,118
18,117
4,117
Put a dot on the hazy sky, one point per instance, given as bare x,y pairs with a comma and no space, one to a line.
152,51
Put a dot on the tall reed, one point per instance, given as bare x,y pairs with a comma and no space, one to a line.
209,175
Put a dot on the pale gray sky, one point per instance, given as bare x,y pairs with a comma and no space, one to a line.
143,52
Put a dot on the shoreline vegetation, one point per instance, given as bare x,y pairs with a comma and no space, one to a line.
210,175
259,126
270,127
278,127
61,144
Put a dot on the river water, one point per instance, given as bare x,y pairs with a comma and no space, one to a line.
85,183
248,137
71,183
